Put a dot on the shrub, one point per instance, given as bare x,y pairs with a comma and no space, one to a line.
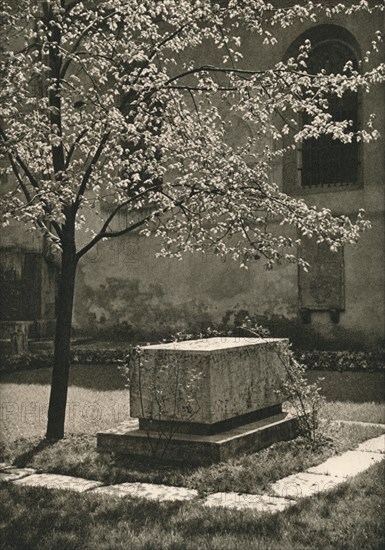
306,399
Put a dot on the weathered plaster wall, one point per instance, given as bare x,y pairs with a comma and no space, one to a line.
125,292
129,288
122,291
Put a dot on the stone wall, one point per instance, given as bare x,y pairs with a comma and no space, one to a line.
123,291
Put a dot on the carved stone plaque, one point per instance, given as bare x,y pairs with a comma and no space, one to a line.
322,287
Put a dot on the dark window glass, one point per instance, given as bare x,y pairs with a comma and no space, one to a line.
325,161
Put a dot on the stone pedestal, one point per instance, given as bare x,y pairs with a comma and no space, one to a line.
205,400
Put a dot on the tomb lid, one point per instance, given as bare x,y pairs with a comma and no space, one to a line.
212,344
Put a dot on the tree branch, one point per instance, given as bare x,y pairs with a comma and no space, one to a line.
29,199
79,40
167,39
202,89
213,69
24,188
88,172
45,229
73,147
110,234
102,233
22,164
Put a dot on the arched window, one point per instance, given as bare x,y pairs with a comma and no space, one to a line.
326,161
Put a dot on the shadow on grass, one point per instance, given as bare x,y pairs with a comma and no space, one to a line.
100,377
22,460
346,518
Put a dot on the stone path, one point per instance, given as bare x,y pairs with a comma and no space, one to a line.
149,491
243,501
284,492
56,481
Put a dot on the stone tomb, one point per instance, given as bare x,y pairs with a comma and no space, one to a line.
203,401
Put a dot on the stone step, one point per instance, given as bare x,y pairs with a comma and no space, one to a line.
199,449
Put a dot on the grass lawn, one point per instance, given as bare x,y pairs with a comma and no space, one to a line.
357,386
349,518
97,400
358,412
76,455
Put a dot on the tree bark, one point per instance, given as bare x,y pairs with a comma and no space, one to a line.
61,362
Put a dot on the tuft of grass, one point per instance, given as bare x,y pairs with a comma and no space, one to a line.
347,518
76,455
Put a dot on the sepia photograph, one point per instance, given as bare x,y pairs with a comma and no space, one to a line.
192,275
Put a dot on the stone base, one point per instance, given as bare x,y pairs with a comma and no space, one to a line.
198,428
199,449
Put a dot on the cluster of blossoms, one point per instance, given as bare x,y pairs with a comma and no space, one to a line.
104,110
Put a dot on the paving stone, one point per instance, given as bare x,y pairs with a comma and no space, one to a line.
259,503
121,490
375,445
12,474
4,467
56,481
347,465
304,485
147,490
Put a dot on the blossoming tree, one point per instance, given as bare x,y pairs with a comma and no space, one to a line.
104,110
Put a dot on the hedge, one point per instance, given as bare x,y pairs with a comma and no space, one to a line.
343,360
314,360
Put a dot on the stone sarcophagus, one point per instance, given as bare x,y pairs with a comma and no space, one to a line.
205,400
207,385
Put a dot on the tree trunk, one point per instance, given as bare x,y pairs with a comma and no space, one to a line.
61,363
